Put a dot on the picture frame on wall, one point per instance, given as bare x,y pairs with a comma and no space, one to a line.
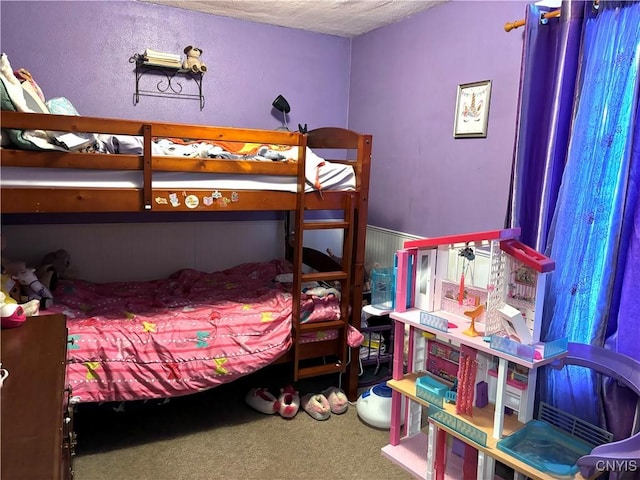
472,110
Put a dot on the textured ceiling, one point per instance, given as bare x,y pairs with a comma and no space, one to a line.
345,18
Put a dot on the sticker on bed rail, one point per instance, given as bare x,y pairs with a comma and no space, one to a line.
223,202
191,201
173,198
217,199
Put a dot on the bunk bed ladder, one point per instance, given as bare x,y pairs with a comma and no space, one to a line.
343,276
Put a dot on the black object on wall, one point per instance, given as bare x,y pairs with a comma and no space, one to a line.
281,104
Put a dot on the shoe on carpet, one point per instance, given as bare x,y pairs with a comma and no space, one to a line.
261,400
288,402
338,401
316,405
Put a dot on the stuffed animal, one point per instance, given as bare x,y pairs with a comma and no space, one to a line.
193,62
10,288
60,260
32,287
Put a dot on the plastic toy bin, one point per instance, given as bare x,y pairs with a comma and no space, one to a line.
431,390
383,288
531,353
546,448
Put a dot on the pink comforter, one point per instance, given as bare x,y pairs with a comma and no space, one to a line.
180,335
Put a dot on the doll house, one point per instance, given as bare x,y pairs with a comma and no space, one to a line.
471,306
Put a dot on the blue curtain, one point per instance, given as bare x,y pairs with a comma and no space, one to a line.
587,227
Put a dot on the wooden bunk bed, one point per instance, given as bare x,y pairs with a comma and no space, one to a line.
145,194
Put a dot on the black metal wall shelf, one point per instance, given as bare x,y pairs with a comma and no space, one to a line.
169,84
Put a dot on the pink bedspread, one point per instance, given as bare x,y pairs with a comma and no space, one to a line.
180,335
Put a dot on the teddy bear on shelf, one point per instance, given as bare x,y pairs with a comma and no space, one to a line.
193,61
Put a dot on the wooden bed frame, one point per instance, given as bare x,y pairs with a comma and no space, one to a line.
308,359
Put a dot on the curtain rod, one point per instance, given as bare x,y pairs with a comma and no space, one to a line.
519,23
545,16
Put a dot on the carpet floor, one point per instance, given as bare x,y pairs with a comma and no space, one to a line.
215,435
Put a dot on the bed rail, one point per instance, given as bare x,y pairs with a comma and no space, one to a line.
38,199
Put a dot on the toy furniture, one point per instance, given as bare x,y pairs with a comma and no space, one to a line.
434,275
511,290
443,359
284,174
37,420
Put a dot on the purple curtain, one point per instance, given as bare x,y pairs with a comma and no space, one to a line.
549,68
623,330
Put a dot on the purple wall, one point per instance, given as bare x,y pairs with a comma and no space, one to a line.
404,80
81,50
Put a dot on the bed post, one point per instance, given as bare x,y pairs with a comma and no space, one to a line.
147,167
360,228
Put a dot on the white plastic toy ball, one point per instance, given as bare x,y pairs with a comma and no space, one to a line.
374,406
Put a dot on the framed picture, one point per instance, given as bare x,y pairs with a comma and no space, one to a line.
472,110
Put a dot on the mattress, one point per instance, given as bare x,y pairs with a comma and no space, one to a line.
320,174
187,333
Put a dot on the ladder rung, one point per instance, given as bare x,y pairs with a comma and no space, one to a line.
326,276
315,326
324,225
318,370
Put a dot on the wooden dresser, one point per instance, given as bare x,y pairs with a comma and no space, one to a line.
37,422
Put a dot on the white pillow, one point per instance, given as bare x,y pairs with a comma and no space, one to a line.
32,99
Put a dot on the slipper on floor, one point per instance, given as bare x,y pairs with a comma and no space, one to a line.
337,400
288,402
316,405
261,400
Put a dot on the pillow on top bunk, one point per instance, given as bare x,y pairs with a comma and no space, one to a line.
61,106
69,140
32,99
13,99
23,97
25,139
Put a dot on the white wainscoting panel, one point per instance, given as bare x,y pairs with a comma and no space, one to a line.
145,251
382,245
